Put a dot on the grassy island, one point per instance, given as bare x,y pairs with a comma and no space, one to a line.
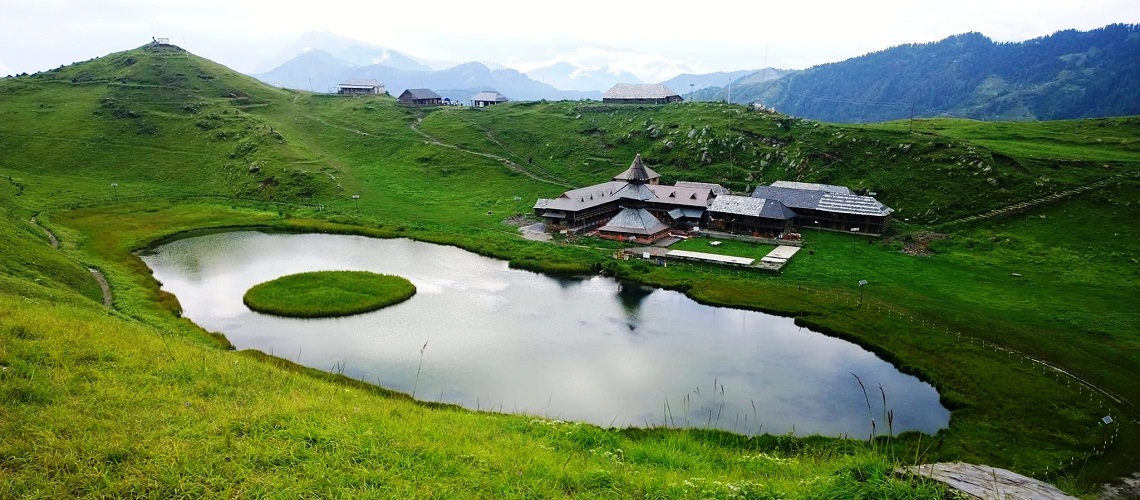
323,294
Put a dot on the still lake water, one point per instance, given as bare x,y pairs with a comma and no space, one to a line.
507,340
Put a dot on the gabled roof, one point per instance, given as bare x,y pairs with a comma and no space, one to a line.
752,207
808,186
639,91
421,94
360,83
490,96
792,198
637,172
716,189
853,204
636,221
581,198
822,200
698,197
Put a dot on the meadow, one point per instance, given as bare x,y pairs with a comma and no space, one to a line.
119,153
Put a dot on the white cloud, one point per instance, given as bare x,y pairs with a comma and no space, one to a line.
653,39
649,67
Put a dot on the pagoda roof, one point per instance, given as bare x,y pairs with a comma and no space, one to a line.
637,172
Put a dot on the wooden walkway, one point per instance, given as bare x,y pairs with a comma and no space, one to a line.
985,482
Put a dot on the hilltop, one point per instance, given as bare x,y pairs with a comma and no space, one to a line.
116,153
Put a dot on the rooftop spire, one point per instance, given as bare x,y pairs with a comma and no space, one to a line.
638,173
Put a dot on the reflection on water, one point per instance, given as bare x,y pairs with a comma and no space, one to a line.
507,340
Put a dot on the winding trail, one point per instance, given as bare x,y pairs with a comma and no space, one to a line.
104,286
1026,205
504,160
108,300
50,236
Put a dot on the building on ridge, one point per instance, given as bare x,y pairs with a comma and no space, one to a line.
360,86
488,98
630,93
420,97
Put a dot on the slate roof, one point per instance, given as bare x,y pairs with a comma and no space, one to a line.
716,189
422,94
366,83
752,207
689,213
636,221
490,96
633,191
629,185
638,91
790,197
828,188
581,198
637,171
822,200
853,204
680,195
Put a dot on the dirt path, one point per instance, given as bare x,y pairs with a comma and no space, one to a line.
104,286
108,300
505,161
50,236
1026,205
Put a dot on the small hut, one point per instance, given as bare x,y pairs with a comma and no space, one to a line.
420,97
360,86
629,93
488,98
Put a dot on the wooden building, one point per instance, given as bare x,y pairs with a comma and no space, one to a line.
634,225
629,93
747,215
829,207
488,98
638,194
360,86
420,97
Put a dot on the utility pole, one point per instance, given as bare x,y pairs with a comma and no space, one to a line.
912,116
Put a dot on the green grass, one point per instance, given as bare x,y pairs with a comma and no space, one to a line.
726,247
97,405
192,145
324,294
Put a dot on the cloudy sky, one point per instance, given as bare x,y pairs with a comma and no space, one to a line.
653,40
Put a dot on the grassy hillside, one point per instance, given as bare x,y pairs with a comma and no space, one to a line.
193,145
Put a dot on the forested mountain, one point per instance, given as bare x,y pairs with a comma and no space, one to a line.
1069,74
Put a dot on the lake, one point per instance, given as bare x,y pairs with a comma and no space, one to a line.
592,349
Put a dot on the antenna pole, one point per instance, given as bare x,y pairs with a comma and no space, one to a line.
912,116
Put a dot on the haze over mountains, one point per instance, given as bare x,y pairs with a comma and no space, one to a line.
1070,74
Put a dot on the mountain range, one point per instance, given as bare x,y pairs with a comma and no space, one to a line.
1069,74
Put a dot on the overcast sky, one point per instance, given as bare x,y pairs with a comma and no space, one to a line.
650,39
